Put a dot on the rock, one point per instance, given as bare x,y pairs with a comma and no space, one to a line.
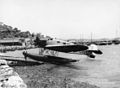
13,82
9,78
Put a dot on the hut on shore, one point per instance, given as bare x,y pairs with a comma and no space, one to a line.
10,42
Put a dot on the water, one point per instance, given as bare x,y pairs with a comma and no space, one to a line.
104,71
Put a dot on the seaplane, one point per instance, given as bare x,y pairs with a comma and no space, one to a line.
57,52
54,51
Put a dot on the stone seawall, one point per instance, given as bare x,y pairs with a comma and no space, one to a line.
9,78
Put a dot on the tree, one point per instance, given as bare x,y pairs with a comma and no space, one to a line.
40,43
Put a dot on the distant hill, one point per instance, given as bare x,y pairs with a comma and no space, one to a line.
7,31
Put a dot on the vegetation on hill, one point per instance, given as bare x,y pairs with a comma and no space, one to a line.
7,31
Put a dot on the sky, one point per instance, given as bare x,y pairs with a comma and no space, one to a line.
64,18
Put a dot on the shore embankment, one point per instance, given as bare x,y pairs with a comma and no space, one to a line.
4,49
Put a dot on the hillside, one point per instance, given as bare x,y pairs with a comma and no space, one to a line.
7,31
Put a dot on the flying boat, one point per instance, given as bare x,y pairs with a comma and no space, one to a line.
63,52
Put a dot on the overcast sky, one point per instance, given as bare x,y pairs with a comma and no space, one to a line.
64,18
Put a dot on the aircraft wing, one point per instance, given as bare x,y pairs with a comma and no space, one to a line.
67,48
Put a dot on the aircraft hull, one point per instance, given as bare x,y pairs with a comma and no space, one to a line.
48,59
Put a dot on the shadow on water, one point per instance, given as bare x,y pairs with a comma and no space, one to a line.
68,70
63,66
71,66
